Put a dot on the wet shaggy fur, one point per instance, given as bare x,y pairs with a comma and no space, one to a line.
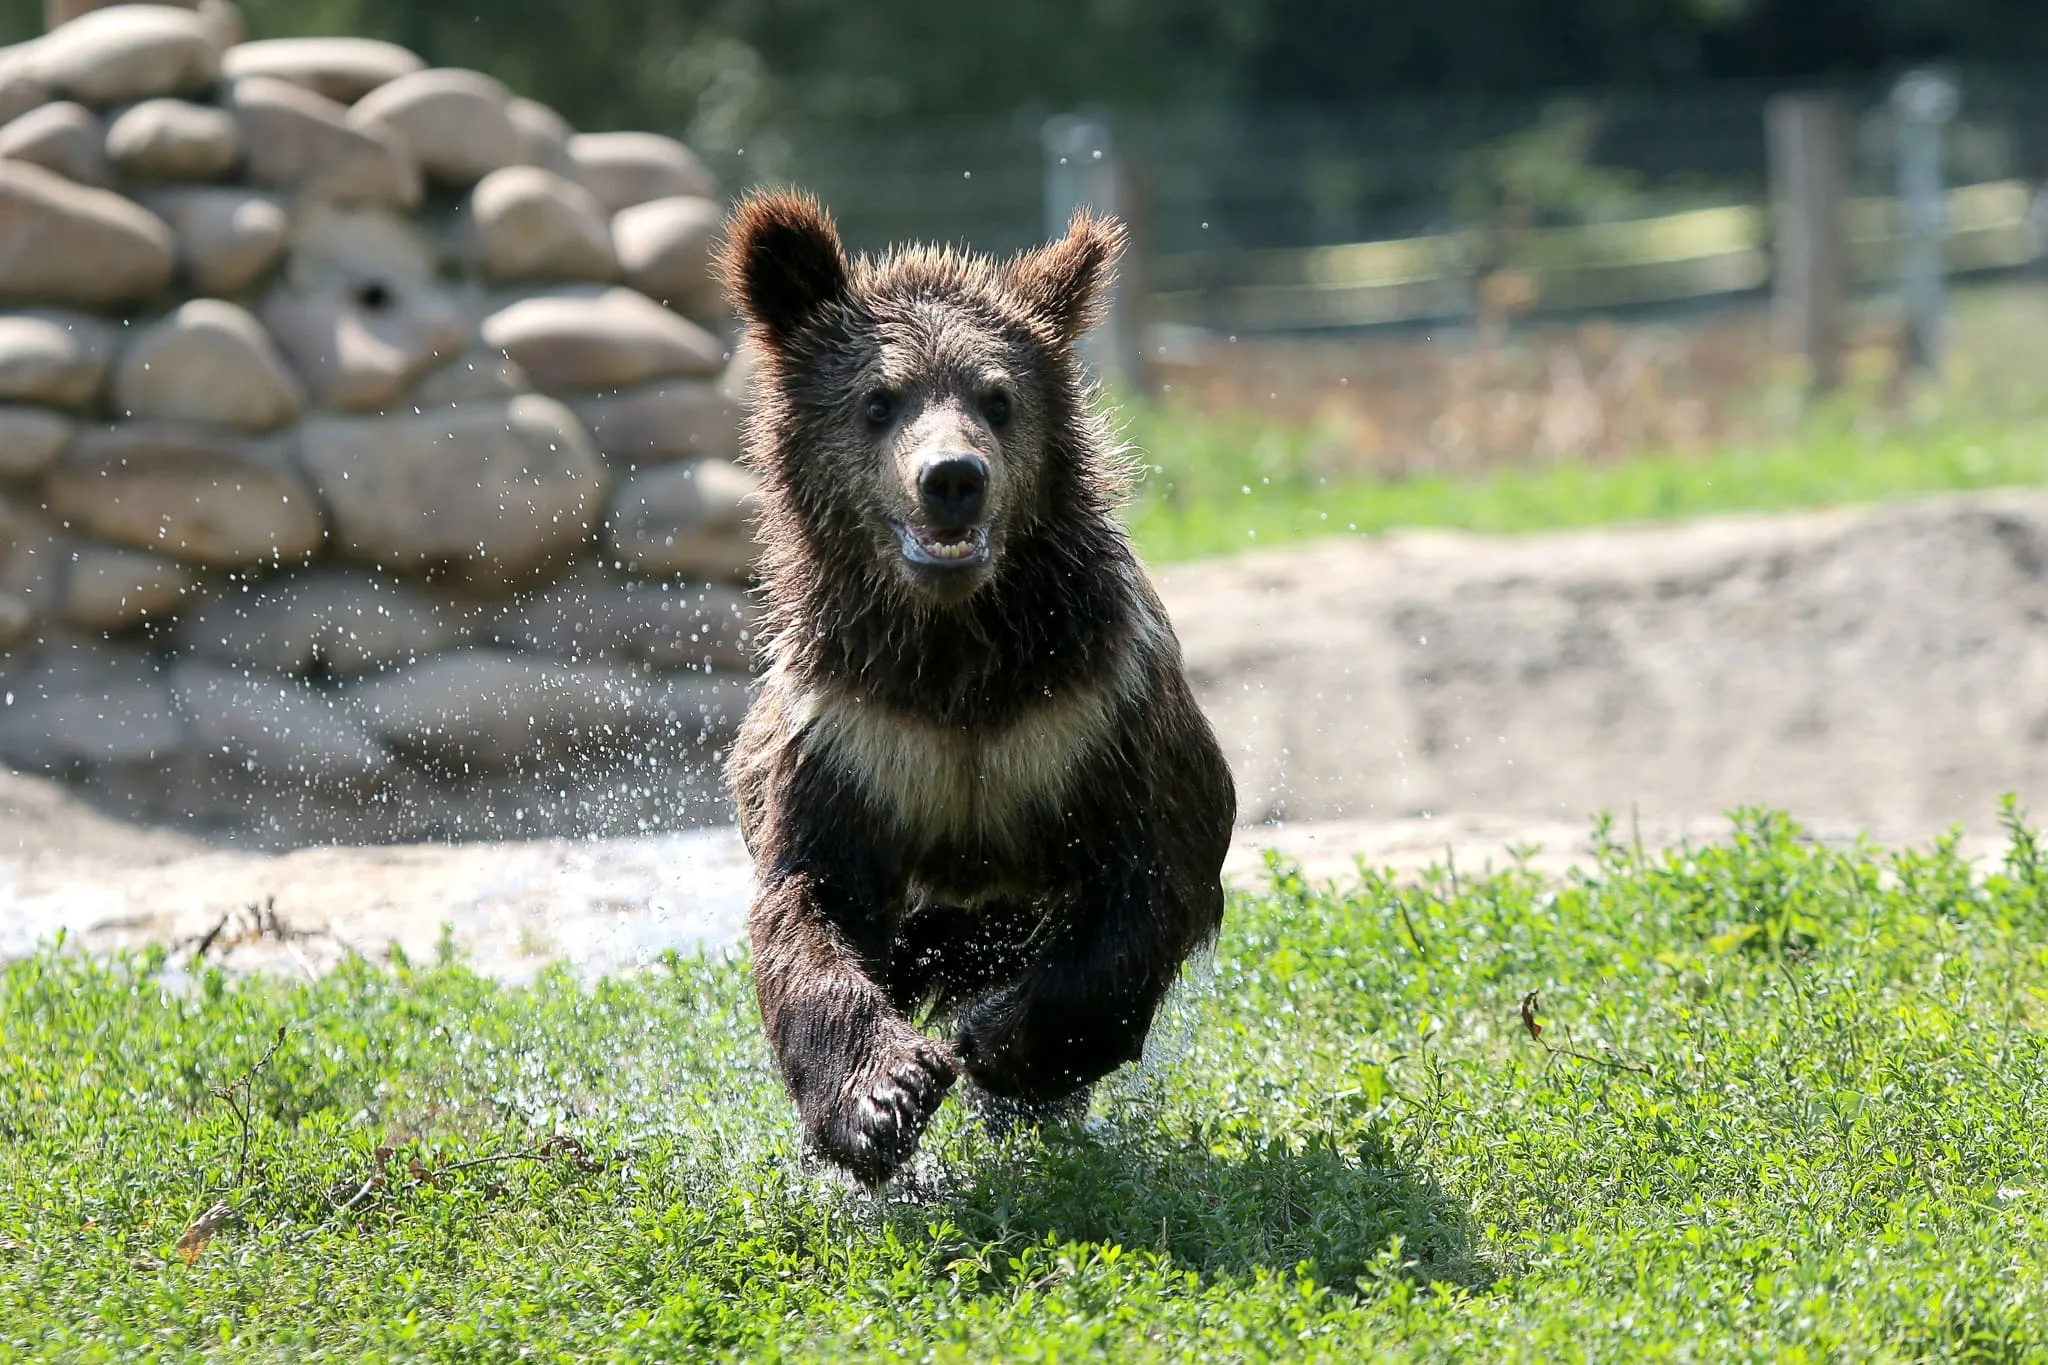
977,794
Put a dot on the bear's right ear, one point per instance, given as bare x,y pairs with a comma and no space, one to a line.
781,262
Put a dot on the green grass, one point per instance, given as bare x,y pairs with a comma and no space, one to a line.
1800,1113
1217,486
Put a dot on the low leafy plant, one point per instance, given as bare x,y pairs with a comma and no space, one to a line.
1757,1099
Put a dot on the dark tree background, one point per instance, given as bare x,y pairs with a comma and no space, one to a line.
718,70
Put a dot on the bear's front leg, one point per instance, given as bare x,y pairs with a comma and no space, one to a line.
865,1082
1085,1006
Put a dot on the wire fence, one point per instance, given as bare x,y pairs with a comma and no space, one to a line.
1429,196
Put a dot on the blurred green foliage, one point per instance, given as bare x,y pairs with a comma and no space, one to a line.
717,70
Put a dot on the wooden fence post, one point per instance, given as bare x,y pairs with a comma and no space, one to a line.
1808,188
1923,103
1082,168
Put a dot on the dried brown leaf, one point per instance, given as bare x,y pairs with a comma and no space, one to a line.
201,1232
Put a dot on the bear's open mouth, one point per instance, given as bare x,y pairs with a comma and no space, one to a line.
948,550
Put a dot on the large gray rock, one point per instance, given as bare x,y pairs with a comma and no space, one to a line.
532,224
64,137
228,239
454,122
209,361
303,142
224,23
277,727
624,169
672,419
17,619
130,52
603,339
22,86
197,494
53,357
330,621
482,710
543,134
593,614
695,519
494,492
361,312
664,247
165,139
30,440
224,20
107,587
57,12
67,243
12,526
30,555
471,378
342,69
87,702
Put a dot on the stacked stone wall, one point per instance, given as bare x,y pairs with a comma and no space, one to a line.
367,443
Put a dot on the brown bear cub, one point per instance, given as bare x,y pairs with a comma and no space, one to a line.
975,783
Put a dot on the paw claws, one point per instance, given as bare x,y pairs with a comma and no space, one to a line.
879,1128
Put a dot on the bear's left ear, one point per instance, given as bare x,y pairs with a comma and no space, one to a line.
1064,282
781,262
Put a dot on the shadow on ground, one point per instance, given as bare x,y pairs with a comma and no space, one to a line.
1219,1207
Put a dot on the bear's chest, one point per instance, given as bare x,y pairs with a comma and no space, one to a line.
988,788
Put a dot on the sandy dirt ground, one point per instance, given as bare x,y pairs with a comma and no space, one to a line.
1405,700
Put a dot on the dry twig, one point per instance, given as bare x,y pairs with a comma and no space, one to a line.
1534,1028
237,1095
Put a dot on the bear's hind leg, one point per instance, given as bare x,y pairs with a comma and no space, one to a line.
1001,1116
948,955
1085,1003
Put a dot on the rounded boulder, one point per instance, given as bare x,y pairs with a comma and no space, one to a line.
341,69
125,53
166,139
673,419
604,339
66,243
64,137
209,361
497,493
22,86
664,247
624,169
31,439
228,239
453,121
197,494
362,313
110,588
695,519
543,134
534,224
52,357
300,141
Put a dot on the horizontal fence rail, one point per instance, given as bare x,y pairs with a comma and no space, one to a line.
1400,213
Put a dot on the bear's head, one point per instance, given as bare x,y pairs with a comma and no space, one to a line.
916,413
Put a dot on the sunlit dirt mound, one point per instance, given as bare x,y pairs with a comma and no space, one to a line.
1887,668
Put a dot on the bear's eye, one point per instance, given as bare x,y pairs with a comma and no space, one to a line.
881,407
996,407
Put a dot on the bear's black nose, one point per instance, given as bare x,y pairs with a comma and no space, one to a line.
953,488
